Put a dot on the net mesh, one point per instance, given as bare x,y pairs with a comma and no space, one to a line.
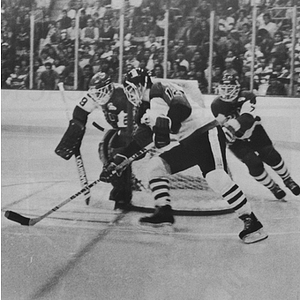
189,191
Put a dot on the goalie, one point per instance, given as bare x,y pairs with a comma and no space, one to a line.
111,99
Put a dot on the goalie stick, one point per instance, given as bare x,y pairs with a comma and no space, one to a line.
13,216
79,162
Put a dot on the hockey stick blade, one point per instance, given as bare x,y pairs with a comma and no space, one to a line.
13,216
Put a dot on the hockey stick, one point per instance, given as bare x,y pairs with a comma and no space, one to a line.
79,162
13,216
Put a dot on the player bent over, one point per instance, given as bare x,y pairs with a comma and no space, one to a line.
110,98
247,138
171,112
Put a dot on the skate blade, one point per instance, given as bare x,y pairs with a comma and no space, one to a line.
254,237
157,228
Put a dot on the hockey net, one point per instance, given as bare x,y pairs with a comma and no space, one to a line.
190,193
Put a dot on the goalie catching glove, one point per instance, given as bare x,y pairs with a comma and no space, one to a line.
113,168
71,140
161,131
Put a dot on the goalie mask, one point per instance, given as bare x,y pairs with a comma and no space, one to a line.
101,88
229,88
136,82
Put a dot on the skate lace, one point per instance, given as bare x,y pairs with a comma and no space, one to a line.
248,223
289,182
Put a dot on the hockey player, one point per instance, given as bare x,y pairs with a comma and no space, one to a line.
247,138
171,112
110,98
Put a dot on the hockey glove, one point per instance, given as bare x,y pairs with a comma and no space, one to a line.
230,136
113,168
161,132
71,140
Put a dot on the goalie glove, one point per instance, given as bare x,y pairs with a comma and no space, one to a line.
161,131
111,169
71,140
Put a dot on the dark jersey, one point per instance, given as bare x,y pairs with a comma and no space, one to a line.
242,109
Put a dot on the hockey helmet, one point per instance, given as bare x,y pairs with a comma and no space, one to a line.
136,82
101,88
229,87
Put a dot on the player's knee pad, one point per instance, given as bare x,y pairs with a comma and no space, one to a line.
254,164
157,167
219,181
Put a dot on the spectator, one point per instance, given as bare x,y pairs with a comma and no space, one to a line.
67,76
107,32
83,17
279,49
131,58
158,71
204,9
22,38
108,52
90,33
16,80
189,35
270,26
245,34
182,72
84,55
153,54
151,40
229,67
95,62
48,79
192,71
65,21
71,31
174,72
262,75
84,82
181,59
241,20
276,88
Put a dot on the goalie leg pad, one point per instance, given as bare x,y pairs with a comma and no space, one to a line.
71,140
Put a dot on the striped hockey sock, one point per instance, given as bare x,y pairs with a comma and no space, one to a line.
265,179
160,191
282,170
237,200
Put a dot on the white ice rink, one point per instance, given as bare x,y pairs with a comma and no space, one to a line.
76,254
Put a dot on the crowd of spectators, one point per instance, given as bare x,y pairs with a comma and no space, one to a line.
188,45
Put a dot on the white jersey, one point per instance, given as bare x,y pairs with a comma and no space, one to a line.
169,96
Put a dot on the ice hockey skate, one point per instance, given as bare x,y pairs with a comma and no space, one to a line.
278,192
253,231
162,216
293,186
